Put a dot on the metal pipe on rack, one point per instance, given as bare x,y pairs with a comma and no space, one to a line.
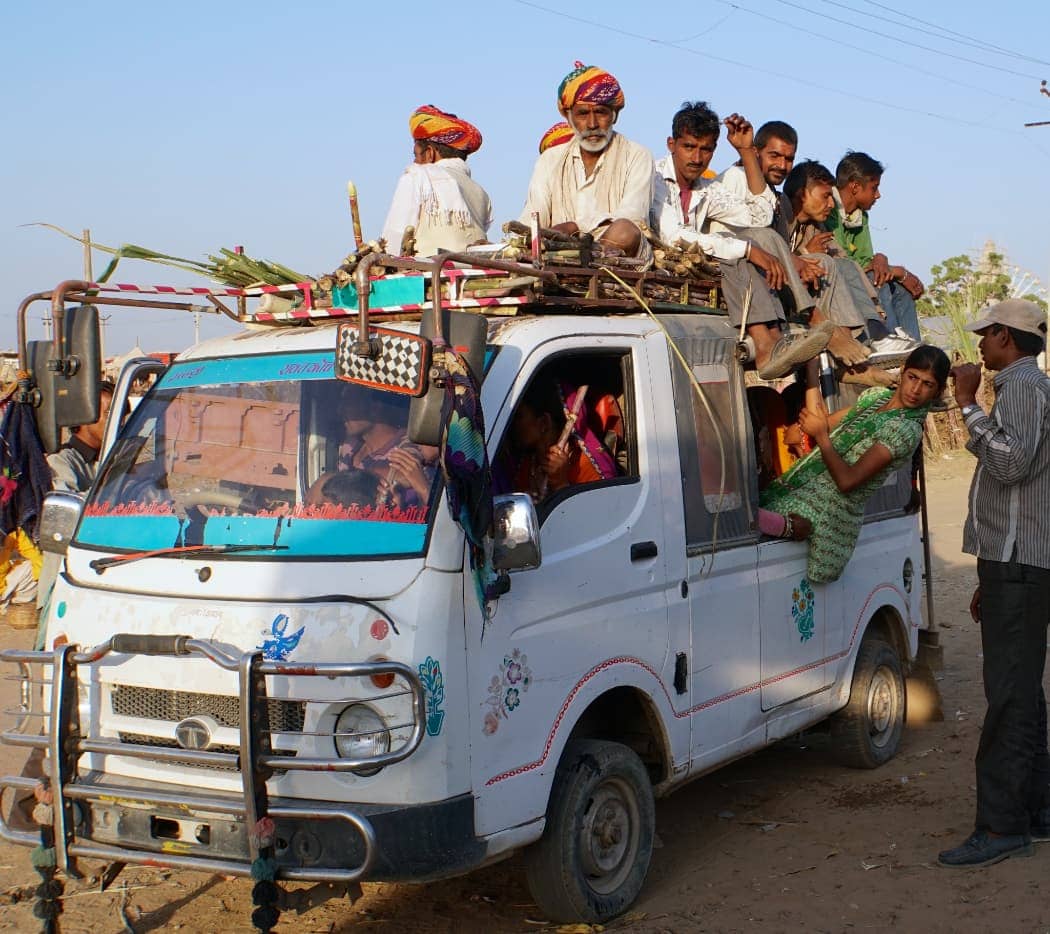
58,311
23,308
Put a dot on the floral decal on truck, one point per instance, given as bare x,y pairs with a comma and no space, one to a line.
506,690
802,609
434,691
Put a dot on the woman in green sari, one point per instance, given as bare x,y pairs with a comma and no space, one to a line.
856,449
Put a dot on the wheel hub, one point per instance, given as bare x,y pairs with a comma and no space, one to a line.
608,835
881,703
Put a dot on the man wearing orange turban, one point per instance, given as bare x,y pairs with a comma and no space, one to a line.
558,135
600,182
436,195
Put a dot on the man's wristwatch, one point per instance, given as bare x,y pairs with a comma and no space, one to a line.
967,409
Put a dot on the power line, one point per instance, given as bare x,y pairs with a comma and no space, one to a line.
915,45
961,35
766,71
932,74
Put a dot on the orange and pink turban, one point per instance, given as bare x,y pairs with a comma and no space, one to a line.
557,135
430,125
589,84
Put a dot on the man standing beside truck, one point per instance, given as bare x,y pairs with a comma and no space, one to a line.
436,196
1008,530
601,182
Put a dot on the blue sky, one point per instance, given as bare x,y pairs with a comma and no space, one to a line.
193,125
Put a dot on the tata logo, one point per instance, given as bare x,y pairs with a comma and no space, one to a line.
196,733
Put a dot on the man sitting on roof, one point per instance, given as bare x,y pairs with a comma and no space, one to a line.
601,182
776,143
558,135
684,206
842,287
436,195
857,180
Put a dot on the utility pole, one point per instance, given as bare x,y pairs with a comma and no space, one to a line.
103,321
88,275
1046,93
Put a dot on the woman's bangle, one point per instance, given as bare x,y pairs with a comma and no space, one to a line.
789,527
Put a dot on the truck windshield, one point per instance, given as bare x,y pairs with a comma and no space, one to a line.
269,450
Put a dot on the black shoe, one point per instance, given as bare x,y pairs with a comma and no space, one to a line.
982,849
1040,827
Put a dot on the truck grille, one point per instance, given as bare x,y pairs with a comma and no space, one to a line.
158,704
138,739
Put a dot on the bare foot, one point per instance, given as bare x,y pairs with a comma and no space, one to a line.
864,375
845,348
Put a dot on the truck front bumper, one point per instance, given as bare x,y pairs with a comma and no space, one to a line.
96,815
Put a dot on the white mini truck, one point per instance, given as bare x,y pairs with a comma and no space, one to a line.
239,664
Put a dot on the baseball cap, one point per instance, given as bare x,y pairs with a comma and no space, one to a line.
1013,313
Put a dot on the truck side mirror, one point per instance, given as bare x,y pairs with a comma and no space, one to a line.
516,533
468,333
68,389
58,520
39,353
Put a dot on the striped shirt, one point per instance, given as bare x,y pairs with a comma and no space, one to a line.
1009,517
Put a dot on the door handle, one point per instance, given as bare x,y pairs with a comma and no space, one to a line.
640,551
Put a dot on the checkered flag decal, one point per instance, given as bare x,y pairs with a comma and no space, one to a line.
401,365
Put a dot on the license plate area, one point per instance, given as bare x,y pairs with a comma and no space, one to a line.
168,830
185,831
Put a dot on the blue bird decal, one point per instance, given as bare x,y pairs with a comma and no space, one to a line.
280,646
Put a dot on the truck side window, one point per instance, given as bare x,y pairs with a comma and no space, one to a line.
712,439
569,429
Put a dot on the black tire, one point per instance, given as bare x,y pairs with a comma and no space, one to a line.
592,859
867,731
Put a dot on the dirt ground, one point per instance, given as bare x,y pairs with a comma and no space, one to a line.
785,840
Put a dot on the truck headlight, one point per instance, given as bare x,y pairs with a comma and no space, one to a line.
360,734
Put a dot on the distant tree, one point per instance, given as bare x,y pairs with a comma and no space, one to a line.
960,290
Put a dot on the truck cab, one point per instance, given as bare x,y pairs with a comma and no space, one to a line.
253,650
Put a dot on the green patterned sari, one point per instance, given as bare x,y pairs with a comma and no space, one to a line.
808,490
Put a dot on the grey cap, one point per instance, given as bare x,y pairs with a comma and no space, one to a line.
1013,313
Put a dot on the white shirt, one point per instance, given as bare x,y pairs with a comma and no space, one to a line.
447,207
760,207
710,201
621,186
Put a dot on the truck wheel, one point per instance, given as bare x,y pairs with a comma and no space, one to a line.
591,861
867,731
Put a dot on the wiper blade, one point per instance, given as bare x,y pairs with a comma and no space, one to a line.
195,551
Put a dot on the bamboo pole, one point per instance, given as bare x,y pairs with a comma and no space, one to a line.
355,214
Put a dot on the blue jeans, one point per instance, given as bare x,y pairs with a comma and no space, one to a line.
899,307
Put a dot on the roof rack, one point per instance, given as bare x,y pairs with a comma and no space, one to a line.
403,289
481,283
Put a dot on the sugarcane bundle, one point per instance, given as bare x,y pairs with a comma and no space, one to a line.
239,269
556,248
343,274
684,260
231,268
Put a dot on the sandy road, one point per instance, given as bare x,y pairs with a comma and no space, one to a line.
782,841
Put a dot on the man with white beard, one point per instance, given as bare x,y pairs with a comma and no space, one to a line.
600,182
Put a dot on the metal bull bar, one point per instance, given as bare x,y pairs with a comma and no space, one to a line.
256,760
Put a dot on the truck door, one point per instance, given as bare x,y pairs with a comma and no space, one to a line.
718,485
794,631
595,612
